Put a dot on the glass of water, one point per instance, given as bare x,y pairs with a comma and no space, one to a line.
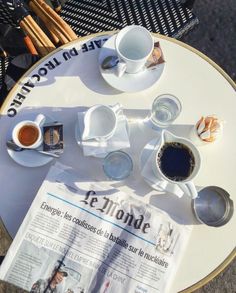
117,165
165,109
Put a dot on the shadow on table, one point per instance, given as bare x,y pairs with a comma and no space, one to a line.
73,157
78,62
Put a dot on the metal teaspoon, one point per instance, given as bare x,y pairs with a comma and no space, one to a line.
109,62
12,146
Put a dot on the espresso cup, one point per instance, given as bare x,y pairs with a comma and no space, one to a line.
177,161
134,44
28,134
100,122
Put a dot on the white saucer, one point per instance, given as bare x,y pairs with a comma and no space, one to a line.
127,82
29,158
149,177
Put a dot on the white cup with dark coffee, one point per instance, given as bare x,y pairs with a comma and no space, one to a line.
28,134
177,161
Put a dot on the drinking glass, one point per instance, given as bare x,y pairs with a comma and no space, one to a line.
165,109
117,165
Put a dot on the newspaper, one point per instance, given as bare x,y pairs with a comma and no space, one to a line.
85,236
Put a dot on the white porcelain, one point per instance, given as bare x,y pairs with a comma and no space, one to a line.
119,140
38,122
133,45
29,158
127,82
186,185
100,122
146,159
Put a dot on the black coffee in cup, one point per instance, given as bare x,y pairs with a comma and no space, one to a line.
176,161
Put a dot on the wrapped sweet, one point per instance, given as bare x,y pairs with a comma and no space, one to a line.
208,129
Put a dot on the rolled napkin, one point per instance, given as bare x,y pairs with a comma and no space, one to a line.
92,147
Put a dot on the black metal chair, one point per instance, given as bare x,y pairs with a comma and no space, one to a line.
19,34
172,18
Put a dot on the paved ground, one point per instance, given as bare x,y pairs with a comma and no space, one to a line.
215,36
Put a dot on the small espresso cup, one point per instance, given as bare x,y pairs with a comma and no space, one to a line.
134,44
28,134
177,161
100,122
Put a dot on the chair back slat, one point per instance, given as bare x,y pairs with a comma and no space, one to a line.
6,8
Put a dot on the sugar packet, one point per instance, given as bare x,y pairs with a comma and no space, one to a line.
156,57
53,138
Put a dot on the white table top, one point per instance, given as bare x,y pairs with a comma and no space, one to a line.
203,89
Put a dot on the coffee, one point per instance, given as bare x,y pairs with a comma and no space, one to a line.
176,161
28,135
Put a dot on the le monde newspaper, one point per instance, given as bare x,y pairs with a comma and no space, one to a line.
82,236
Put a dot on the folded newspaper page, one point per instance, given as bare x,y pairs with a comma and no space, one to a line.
85,236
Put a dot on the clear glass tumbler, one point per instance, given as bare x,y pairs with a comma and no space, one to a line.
117,165
165,109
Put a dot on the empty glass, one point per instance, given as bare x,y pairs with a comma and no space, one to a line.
165,109
117,165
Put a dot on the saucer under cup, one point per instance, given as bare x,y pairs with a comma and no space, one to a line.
29,157
127,82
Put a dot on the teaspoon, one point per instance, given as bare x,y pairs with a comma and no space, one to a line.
109,62
12,146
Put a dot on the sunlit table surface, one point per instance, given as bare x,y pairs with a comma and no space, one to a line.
58,85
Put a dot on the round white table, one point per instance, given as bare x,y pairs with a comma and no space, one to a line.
69,77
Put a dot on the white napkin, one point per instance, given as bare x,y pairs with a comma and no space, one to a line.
92,147
153,181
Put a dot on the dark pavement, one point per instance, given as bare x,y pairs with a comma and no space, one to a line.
215,36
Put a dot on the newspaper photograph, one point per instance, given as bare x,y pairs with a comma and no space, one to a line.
84,236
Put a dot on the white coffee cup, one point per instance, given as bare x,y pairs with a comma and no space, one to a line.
186,184
100,122
133,45
28,134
